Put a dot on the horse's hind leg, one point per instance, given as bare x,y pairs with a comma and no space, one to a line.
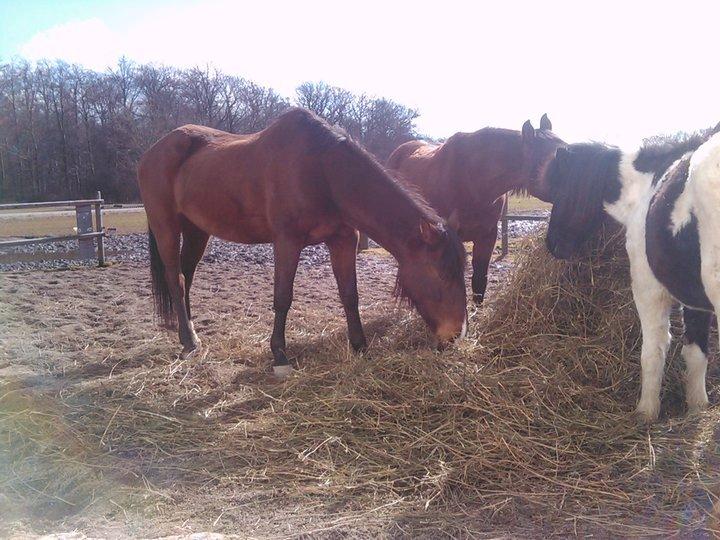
694,352
653,304
483,246
343,248
167,237
287,254
194,241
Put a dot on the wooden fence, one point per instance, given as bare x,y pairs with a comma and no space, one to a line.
504,236
86,233
504,219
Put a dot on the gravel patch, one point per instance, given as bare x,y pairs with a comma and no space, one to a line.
134,248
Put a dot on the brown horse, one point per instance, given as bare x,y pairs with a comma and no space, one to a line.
298,182
466,178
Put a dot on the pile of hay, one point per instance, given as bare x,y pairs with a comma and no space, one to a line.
529,423
525,427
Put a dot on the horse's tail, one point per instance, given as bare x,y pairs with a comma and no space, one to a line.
156,169
161,292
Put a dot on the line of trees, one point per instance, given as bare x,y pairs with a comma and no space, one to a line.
66,131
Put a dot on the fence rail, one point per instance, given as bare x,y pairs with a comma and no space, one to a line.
86,233
504,235
50,204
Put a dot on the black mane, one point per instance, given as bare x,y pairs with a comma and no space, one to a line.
591,167
661,151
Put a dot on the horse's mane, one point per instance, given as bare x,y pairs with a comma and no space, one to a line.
661,151
453,256
593,166
321,134
324,137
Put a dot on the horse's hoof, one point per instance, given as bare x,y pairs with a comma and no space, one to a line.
198,352
647,415
694,408
282,372
478,299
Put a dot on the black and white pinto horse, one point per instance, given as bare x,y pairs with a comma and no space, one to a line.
668,199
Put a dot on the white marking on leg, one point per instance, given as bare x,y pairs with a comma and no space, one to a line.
695,368
282,372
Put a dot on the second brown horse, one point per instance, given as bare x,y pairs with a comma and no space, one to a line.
466,178
298,182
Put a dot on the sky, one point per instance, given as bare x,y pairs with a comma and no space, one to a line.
613,71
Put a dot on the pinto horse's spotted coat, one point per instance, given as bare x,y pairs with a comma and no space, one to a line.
668,202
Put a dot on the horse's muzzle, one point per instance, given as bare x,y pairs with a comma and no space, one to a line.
445,339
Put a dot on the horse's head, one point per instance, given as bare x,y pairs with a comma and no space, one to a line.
583,178
431,278
538,148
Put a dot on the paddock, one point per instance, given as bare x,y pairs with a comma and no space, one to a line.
523,429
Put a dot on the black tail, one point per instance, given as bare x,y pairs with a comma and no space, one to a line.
161,292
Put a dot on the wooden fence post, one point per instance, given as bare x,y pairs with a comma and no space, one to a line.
101,229
84,220
504,230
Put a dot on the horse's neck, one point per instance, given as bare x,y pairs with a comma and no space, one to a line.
635,192
496,182
510,180
371,201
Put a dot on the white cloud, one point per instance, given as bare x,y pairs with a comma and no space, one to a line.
88,42
612,71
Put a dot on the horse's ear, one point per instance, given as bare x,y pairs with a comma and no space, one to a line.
430,233
545,123
528,131
454,221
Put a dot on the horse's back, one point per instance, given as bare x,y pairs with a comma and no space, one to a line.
409,150
701,196
705,164
683,228
241,187
164,158
704,186
210,177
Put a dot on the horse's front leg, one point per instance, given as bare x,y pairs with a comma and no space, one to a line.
653,305
287,254
343,248
483,246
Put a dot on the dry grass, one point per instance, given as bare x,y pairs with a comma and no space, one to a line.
525,429
39,223
520,203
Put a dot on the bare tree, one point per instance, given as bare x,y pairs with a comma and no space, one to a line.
66,131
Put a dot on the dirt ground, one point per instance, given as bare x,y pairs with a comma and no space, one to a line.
106,432
81,344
